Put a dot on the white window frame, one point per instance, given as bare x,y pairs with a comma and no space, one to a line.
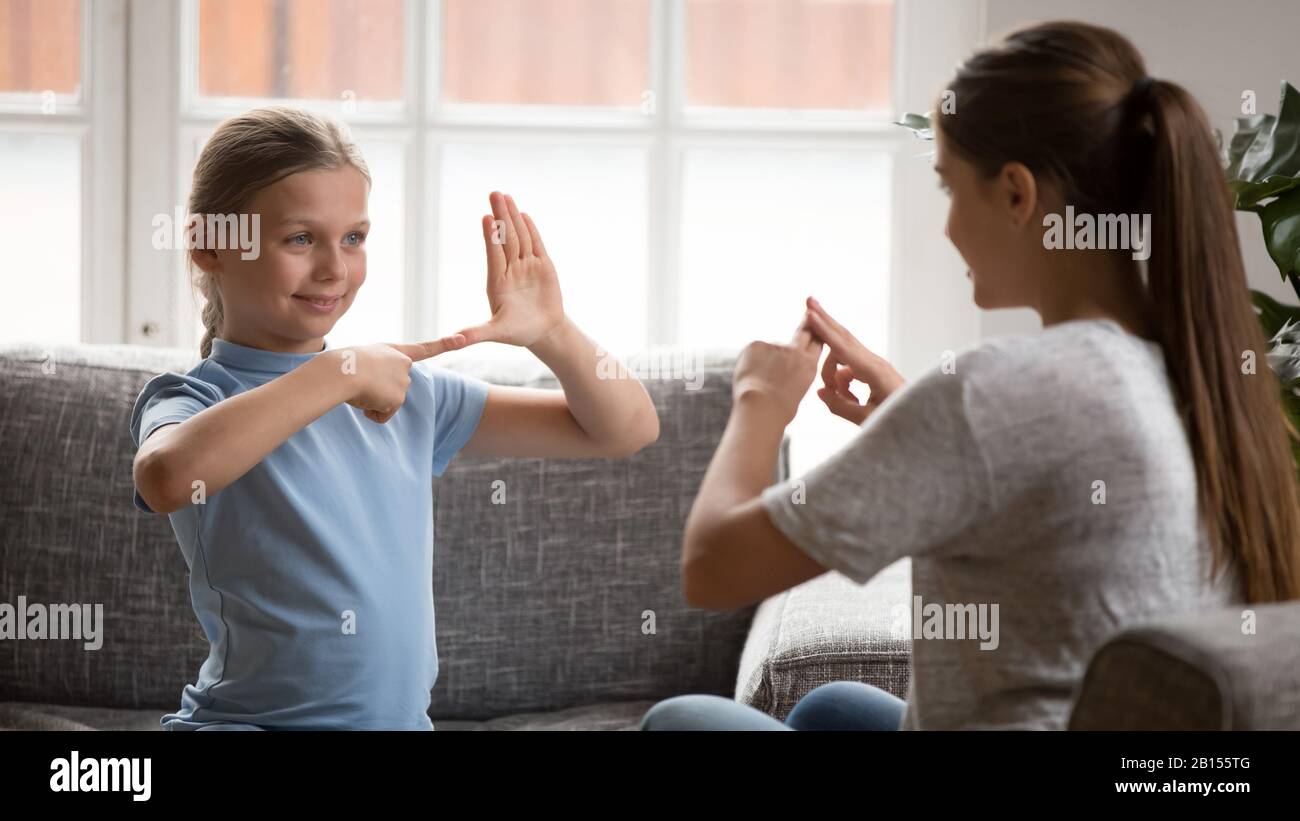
929,312
94,115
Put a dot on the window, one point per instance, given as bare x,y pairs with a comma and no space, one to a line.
679,156
59,135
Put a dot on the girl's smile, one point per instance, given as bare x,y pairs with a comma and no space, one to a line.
319,305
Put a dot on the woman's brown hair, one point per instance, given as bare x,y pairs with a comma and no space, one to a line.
1074,104
246,154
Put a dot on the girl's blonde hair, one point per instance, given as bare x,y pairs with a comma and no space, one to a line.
246,154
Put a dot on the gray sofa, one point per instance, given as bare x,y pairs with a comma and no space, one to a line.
561,609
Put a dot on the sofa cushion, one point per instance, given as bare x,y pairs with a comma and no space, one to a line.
829,629
567,594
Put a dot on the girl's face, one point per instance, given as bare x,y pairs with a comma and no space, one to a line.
996,226
312,261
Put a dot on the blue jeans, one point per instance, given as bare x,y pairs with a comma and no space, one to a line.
840,705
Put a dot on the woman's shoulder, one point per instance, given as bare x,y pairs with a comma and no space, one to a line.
1065,378
1070,359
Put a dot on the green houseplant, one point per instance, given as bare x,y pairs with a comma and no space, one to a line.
1263,170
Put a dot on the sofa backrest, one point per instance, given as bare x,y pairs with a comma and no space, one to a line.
568,593
1230,668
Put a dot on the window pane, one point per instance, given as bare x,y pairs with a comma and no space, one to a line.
562,52
40,45
376,313
790,53
317,49
41,201
589,204
754,246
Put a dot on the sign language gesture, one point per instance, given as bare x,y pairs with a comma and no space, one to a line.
379,375
849,361
778,375
523,290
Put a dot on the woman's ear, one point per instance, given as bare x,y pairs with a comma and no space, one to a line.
1019,193
205,259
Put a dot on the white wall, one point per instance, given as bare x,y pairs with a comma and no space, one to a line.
932,307
1215,49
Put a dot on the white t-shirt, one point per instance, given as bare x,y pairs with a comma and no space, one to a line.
1048,475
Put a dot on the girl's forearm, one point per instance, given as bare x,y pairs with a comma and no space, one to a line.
611,406
220,444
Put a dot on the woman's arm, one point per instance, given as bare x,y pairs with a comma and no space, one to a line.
592,416
732,554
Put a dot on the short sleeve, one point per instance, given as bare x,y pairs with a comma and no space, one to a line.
168,397
909,483
458,402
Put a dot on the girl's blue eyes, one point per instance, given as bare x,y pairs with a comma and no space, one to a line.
353,238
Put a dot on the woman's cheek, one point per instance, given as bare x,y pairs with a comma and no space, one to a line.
955,230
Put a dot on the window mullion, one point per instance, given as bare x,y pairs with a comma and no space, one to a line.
667,49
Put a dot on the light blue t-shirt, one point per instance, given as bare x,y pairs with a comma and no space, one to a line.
312,574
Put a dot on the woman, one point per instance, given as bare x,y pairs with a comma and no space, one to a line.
1121,465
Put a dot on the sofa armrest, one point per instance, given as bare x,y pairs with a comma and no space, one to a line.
1197,672
828,629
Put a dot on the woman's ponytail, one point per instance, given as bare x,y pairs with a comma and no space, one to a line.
1204,319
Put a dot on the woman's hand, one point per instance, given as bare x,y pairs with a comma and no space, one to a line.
777,376
848,361
522,289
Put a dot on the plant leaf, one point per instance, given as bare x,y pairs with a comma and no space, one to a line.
1281,221
1273,315
1250,193
1246,130
920,124
1274,148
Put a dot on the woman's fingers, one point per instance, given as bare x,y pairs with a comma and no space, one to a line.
501,212
828,334
830,320
829,368
844,381
521,230
844,408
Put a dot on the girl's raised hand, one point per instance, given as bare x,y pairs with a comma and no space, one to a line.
523,290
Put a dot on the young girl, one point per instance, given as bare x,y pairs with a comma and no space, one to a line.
1119,466
298,477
